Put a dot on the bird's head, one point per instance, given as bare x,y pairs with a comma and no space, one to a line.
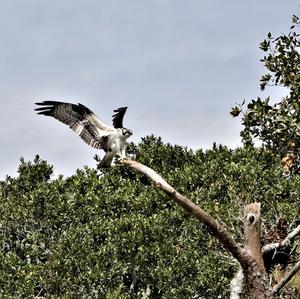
126,132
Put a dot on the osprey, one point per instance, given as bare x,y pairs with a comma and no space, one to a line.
90,128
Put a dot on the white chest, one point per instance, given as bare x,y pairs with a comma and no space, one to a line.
116,140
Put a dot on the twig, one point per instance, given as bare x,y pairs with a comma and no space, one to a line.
287,278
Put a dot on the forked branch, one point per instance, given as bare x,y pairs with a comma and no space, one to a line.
236,285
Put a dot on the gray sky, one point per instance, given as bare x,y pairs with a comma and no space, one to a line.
179,66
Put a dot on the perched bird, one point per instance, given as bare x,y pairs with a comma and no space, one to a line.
90,128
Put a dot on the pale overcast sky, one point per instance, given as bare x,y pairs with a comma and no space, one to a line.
179,66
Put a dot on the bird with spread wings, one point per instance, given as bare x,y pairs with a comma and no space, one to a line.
93,131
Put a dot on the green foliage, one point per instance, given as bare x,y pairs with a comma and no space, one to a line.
277,125
111,234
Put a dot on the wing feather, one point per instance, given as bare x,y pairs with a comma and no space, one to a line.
118,117
80,119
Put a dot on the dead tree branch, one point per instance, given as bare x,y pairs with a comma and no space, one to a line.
289,238
216,228
256,280
286,278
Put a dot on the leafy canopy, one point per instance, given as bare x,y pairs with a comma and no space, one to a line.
276,125
112,235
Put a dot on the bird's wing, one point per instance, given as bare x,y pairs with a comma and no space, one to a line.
80,119
118,117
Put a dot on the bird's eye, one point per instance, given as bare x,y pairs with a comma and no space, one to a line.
126,132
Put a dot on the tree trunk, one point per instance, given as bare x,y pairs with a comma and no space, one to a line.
252,233
255,275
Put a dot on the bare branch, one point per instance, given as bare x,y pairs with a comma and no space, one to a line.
289,238
216,228
287,278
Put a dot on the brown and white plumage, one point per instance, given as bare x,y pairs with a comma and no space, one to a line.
90,128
